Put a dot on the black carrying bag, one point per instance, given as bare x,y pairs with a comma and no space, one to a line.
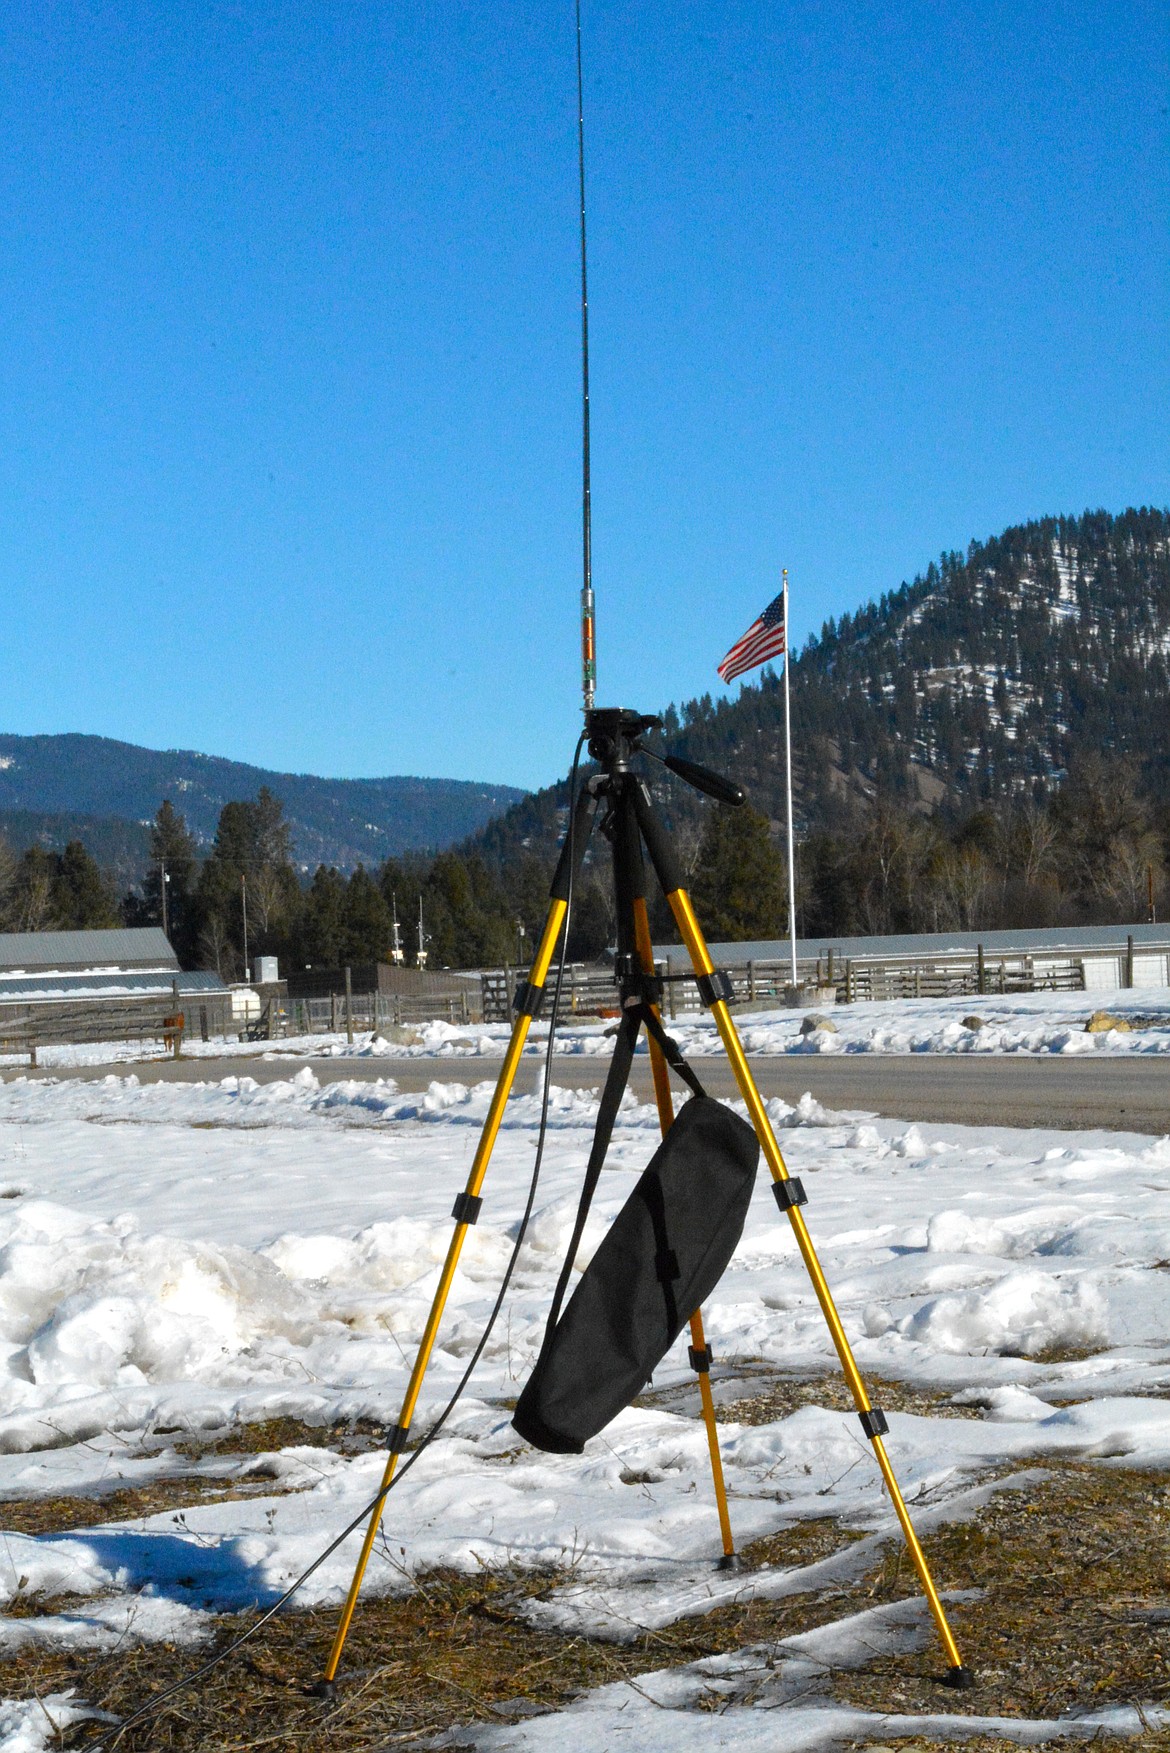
663,1256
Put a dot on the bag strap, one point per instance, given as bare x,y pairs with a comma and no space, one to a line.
633,1016
611,1096
671,1051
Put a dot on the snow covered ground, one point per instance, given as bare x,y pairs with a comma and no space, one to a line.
178,1257
1032,1022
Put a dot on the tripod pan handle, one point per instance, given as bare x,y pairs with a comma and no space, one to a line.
702,778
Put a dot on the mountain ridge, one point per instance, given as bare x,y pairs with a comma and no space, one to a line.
982,679
334,821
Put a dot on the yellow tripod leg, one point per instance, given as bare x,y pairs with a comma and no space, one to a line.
699,1347
487,1139
664,1100
872,1422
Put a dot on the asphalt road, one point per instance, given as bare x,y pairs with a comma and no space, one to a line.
1089,1093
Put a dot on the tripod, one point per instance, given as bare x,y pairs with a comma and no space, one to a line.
630,823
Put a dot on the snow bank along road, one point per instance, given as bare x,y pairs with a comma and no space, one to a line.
1028,1062
1098,1092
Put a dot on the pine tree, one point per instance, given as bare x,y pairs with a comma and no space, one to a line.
172,858
249,872
323,920
739,886
81,898
7,884
30,906
365,921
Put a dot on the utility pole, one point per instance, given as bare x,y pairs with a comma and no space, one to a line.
396,952
244,909
163,880
422,937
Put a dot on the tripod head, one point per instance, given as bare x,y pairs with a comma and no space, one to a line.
615,734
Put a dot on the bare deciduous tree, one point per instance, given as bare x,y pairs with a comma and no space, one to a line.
962,881
1122,876
1031,847
216,949
7,883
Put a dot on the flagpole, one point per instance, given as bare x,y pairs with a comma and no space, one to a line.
788,765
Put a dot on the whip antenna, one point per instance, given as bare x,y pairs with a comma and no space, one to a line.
588,648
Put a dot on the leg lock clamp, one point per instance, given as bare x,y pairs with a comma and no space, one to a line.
789,1193
873,1422
715,988
528,999
642,989
700,1360
467,1208
397,1439
636,984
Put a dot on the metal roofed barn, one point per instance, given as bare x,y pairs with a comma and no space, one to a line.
59,987
141,949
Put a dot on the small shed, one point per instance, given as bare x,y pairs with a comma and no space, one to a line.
382,978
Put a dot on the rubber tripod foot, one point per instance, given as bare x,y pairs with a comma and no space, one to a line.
962,1679
322,1689
730,1561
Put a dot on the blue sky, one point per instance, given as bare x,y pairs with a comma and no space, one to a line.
289,374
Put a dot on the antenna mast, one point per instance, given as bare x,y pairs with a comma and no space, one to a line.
588,648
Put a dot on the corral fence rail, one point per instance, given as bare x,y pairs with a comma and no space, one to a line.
959,976
368,1012
27,1028
847,980
589,991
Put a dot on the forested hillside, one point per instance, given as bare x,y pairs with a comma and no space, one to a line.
983,679
120,847
340,821
988,745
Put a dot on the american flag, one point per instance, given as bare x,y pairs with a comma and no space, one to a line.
763,639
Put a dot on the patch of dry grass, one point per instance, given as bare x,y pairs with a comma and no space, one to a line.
1075,1580
269,1434
1074,1573
756,1393
453,1651
179,1490
780,1396
62,1515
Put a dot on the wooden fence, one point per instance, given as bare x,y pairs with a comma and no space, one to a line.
27,1028
366,1012
592,991
587,992
960,976
767,984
